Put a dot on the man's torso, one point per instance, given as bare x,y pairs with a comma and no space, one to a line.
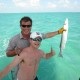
28,67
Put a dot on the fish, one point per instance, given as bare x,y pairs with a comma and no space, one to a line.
64,38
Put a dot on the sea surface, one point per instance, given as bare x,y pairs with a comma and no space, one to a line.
55,68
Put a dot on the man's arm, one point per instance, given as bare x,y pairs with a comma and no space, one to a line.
12,48
15,62
49,55
12,53
51,34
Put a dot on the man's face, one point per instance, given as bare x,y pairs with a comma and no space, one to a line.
35,42
26,27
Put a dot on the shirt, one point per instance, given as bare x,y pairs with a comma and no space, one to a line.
19,41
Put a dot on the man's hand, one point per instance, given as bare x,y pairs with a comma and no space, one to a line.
60,31
53,52
18,50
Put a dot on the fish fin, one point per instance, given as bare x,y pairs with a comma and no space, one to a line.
60,55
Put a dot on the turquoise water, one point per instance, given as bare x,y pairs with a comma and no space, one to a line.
55,68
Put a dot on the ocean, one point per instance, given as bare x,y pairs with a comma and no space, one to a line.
55,68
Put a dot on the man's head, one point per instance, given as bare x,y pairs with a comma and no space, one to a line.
26,24
35,39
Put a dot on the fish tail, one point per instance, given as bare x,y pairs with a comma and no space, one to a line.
60,54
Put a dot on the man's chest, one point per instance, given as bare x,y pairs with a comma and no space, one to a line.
32,58
22,43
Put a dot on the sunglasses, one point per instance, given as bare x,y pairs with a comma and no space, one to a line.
37,39
24,26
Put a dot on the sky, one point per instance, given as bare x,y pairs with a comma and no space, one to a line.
24,6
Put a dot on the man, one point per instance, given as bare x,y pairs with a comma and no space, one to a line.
20,41
28,59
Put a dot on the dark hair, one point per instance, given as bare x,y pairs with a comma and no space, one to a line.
25,19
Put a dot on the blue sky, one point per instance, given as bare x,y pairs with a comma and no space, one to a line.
15,6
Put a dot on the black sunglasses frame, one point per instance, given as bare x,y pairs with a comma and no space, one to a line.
36,39
24,26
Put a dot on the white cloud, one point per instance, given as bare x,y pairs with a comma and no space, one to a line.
39,5
64,1
20,3
34,3
26,3
64,4
71,5
2,5
51,5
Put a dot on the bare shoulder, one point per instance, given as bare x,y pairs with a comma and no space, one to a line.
23,52
40,51
25,49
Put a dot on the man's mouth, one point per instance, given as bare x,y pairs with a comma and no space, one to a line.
37,44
